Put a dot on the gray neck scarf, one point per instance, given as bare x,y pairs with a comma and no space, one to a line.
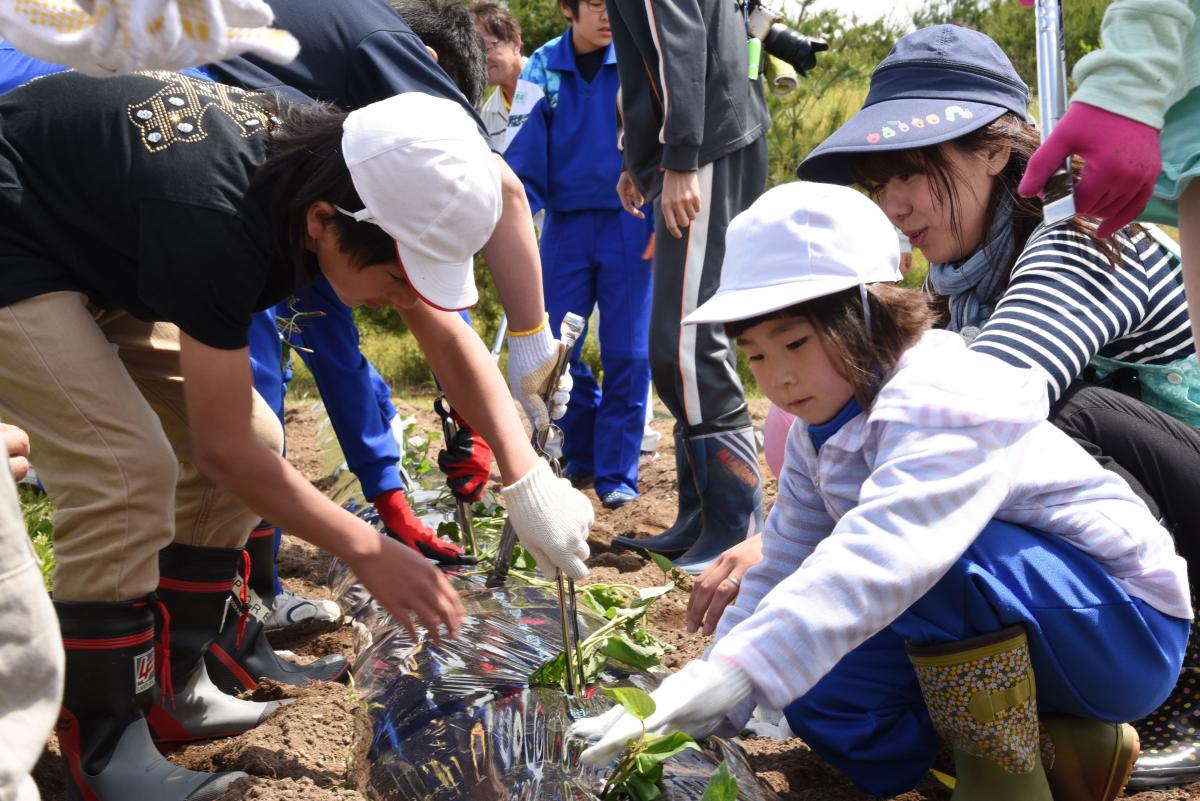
970,284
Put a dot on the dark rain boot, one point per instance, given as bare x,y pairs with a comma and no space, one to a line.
983,702
1170,735
261,547
684,532
102,730
240,655
727,478
193,586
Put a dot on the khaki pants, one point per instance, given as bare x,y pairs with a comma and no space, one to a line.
101,396
31,654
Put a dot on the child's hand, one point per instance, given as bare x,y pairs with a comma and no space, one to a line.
16,446
404,582
1123,162
718,586
631,199
680,200
695,701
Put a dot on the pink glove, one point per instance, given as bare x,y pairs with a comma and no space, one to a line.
1122,163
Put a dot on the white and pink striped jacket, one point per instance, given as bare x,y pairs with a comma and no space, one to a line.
868,525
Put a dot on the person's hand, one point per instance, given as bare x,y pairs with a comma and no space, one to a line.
532,358
648,253
402,581
695,701
1123,160
16,445
552,519
402,524
680,200
718,586
466,460
631,199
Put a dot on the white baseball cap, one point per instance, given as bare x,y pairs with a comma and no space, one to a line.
797,242
429,180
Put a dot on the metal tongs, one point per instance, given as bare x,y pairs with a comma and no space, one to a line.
462,512
1058,202
548,441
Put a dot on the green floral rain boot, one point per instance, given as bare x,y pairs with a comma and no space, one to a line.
982,700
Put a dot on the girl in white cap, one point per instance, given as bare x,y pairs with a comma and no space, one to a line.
143,219
940,559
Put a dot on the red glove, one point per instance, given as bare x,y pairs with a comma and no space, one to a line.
401,523
466,461
1123,162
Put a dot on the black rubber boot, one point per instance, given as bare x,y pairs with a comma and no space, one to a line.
193,586
683,533
102,729
241,656
727,478
261,547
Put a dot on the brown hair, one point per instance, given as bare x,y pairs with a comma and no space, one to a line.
899,315
871,170
496,20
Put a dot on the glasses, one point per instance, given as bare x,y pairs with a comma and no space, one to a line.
492,44
594,6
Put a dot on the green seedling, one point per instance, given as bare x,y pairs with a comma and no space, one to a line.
638,773
679,578
624,638
291,325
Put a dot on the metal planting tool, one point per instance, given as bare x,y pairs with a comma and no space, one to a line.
1059,193
462,510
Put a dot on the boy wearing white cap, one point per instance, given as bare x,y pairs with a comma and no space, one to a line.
940,559
141,225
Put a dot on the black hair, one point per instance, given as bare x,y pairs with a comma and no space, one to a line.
571,4
449,28
899,316
305,165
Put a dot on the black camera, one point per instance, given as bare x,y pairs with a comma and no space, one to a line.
780,41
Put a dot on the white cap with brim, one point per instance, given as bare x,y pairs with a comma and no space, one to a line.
428,179
797,242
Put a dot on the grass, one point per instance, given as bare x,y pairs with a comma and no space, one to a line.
38,512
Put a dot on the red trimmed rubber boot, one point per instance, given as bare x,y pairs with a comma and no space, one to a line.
102,729
193,585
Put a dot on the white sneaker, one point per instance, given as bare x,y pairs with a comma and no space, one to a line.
289,609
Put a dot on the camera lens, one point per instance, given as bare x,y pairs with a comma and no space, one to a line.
795,48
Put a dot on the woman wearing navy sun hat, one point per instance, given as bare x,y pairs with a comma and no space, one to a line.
941,144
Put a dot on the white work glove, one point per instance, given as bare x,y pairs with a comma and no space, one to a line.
695,701
552,519
531,361
106,37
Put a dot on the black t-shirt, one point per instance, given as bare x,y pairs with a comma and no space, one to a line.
133,191
352,53
589,64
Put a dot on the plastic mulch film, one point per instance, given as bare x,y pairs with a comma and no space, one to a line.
459,721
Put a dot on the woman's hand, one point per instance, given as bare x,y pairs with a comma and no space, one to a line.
16,445
718,586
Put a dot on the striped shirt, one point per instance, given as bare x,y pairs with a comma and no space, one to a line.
866,526
1066,303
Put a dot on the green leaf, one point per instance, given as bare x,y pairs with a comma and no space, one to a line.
625,650
722,786
664,564
647,594
551,673
636,702
522,559
449,530
659,748
644,788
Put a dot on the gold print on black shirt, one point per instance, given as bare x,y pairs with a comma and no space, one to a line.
176,112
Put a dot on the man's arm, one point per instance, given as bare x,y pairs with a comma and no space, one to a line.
512,256
681,38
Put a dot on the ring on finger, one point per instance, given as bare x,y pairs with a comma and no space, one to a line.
737,580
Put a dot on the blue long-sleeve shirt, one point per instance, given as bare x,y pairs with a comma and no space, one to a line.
566,150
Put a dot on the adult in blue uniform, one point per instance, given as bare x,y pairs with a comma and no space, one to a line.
592,252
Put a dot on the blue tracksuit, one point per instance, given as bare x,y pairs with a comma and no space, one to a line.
566,155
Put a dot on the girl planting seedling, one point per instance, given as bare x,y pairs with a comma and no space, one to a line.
940,561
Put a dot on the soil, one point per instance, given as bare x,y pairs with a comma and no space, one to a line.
306,750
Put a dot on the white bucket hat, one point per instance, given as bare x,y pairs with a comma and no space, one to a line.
797,242
429,180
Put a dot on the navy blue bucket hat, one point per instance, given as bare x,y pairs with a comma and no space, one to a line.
937,84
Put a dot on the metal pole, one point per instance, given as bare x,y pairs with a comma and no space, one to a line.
1059,194
498,342
462,508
